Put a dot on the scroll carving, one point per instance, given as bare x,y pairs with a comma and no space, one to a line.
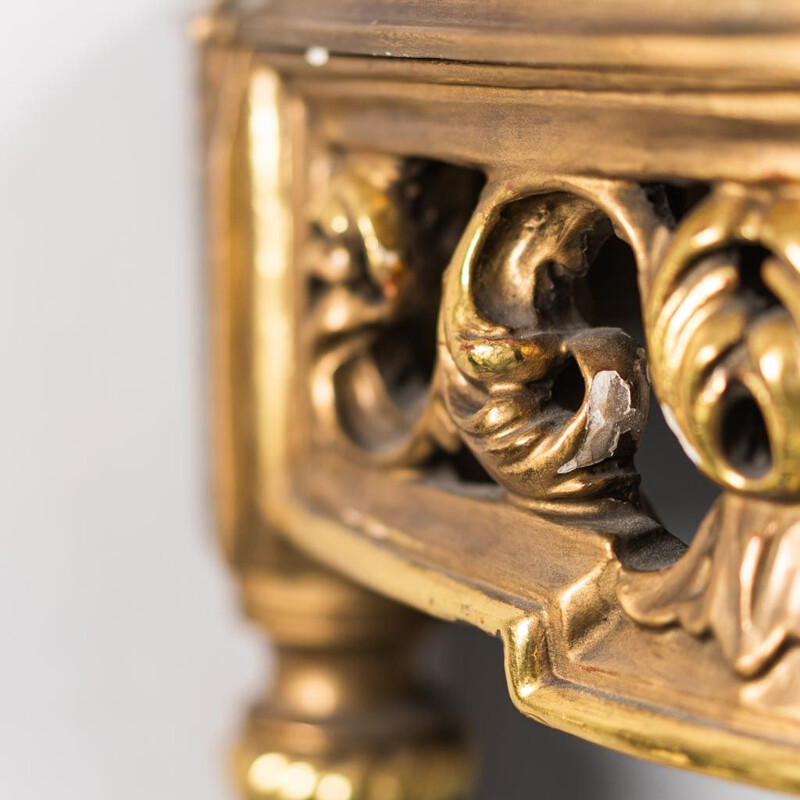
739,582
722,320
422,390
552,408
375,268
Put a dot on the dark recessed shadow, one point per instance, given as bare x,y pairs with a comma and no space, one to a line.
679,493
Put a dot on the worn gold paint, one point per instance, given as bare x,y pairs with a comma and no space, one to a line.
307,165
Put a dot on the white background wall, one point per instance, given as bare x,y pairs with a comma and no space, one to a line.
124,667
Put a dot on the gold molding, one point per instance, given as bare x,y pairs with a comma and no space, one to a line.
608,631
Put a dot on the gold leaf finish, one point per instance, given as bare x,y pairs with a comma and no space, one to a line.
723,338
510,331
420,379
739,580
722,319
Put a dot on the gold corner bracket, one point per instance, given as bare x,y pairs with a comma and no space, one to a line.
425,403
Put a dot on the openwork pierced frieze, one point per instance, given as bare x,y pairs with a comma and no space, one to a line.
722,318
549,408
452,295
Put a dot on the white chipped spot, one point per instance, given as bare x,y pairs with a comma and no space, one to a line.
317,56
376,529
610,413
339,259
352,517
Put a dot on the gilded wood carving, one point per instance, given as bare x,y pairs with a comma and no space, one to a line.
511,335
722,332
552,408
724,356
415,387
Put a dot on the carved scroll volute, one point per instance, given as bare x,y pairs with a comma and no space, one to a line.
367,288
511,331
722,320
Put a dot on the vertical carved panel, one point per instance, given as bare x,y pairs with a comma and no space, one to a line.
382,234
344,717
